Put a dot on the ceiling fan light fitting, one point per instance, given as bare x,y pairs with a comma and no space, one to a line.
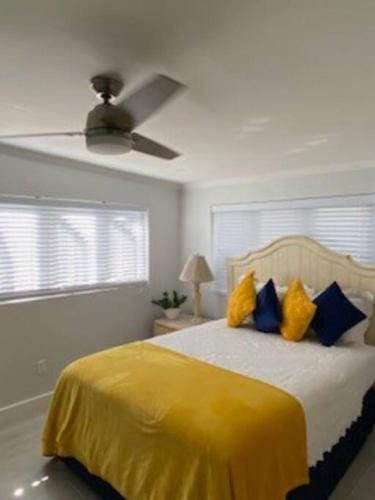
109,143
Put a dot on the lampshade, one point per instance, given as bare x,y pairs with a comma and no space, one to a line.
196,270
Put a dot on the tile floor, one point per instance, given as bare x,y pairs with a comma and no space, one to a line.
25,474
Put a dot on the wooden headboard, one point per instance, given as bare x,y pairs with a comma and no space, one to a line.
315,265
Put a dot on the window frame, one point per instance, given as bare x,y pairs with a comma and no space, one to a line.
48,292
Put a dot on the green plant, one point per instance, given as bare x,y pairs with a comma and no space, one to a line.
173,302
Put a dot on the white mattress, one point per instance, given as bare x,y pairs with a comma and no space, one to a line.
329,382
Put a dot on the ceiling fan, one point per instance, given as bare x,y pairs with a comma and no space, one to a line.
110,127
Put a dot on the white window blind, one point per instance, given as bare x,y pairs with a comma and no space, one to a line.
53,247
344,224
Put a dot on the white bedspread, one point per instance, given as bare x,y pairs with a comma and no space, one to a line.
329,382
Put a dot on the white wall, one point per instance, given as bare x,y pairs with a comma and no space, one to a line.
196,203
62,329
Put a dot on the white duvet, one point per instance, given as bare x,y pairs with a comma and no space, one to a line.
329,382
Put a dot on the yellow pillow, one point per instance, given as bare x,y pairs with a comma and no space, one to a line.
242,301
297,312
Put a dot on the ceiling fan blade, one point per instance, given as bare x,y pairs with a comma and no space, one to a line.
47,134
148,99
144,145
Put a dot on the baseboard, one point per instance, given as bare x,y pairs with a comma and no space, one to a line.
24,410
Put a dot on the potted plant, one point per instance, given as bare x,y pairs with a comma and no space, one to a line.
170,305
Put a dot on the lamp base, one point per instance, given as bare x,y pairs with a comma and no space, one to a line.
196,301
197,320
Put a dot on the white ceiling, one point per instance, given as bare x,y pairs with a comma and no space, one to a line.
273,85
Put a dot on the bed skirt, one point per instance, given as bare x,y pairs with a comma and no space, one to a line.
324,477
327,473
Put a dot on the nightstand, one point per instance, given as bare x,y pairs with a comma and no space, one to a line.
165,325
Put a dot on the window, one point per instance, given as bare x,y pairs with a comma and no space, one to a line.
344,224
54,247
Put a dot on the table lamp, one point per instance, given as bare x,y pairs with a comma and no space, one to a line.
196,271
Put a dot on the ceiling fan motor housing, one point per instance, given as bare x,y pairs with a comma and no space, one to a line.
108,130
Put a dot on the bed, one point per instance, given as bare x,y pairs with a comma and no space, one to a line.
333,386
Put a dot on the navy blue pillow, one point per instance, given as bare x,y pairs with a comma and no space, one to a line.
267,314
334,316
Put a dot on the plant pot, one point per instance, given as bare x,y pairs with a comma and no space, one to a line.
172,313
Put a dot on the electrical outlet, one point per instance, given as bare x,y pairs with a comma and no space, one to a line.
41,366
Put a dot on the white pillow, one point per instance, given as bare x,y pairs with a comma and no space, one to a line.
357,333
282,289
365,303
363,300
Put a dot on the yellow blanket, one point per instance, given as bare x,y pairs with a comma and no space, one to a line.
159,425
